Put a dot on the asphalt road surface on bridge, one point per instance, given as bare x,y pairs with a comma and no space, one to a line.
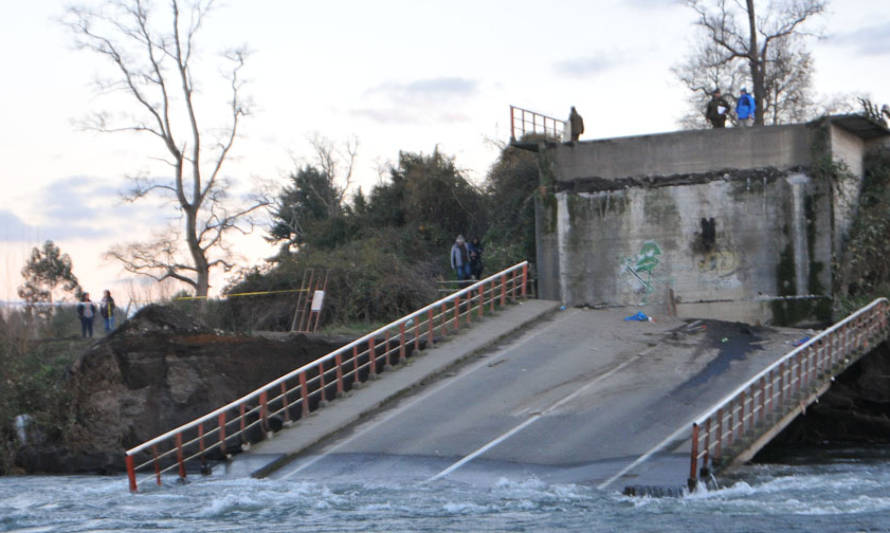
582,397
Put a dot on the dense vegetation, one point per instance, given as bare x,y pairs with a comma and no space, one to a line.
35,351
863,273
386,252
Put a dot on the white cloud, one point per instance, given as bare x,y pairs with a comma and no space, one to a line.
586,67
867,41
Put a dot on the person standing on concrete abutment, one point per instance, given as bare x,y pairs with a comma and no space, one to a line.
744,109
460,258
576,124
716,110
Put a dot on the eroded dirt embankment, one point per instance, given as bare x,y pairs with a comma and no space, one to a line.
157,371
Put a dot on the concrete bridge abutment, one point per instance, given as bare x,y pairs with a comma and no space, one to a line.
736,224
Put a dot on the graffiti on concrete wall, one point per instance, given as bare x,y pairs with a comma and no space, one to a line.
643,265
720,263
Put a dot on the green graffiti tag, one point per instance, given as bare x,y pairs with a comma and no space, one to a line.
643,264
647,259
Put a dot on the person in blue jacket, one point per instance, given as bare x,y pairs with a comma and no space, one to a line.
744,109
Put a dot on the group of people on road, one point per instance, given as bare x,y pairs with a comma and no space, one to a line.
466,258
718,109
87,311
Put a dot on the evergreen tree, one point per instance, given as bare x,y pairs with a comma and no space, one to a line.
310,199
47,269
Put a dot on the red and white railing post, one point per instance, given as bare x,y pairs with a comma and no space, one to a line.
179,456
693,460
222,432
131,473
304,395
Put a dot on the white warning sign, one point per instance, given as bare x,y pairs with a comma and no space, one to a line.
317,301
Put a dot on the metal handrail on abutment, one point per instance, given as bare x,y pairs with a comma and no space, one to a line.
526,122
788,384
295,394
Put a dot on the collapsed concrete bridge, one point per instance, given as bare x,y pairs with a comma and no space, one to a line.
738,225
518,391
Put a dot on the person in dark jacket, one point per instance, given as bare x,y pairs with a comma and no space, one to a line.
475,248
106,309
86,311
576,124
460,258
716,110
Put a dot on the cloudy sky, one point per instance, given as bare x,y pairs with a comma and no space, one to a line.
397,75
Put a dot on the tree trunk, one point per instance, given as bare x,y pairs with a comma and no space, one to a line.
755,61
202,268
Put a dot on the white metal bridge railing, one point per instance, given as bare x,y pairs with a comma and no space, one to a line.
784,385
293,395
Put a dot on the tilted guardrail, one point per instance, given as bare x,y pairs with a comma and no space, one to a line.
295,394
783,386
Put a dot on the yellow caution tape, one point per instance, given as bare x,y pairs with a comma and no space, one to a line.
257,293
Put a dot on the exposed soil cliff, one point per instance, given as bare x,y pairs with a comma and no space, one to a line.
157,371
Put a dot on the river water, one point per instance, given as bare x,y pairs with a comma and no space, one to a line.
844,490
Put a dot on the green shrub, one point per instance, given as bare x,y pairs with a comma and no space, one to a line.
32,382
367,280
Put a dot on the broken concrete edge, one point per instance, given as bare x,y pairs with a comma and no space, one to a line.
433,376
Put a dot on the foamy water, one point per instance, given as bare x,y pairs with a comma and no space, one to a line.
843,494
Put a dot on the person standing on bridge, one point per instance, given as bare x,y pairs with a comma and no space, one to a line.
576,124
460,258
716,110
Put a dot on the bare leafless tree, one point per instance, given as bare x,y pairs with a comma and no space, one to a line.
337,163
739,33
152,52
703,71
787,85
